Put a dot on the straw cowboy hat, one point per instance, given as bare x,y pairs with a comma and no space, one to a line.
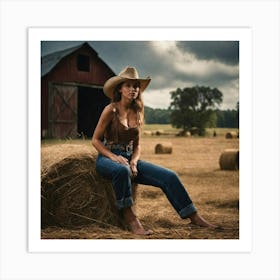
128,73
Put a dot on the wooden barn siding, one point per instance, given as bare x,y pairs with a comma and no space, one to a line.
44,105
66,72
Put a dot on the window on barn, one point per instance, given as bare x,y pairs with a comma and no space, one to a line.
83,63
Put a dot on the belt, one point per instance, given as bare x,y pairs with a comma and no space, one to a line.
121,147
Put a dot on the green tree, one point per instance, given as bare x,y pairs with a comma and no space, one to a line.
228,118
159,116
194,107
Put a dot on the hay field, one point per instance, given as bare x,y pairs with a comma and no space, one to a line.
196,160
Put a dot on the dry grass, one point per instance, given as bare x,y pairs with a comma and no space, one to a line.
215,192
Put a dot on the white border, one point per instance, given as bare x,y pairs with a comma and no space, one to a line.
262,16
36,35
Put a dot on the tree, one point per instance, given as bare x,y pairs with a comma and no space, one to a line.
158,116
228,118
194,107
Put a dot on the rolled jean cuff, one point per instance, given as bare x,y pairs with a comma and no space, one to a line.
187,211
124,203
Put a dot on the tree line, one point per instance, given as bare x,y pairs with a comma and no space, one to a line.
194,107
225,118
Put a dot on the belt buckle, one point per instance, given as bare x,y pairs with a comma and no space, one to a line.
128,148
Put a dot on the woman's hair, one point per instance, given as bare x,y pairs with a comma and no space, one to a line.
137,104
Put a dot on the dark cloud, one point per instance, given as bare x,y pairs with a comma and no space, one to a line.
170,64
223,51
139,54
117,54
211,78
122,53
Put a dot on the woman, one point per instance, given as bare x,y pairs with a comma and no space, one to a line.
116,138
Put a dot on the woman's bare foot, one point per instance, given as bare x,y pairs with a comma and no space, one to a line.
133,223
197,220
136,227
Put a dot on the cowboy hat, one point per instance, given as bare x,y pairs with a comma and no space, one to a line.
128,73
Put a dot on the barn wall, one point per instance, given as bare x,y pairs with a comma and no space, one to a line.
44,107
66,71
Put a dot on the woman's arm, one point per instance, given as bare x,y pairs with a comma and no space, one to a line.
104,121
136,144
135,157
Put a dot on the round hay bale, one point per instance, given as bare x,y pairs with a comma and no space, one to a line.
147,132
159,132
229,159
163,148
231,135
73,194
185,133
188,134
51,154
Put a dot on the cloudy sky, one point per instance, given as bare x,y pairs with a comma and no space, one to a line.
171,65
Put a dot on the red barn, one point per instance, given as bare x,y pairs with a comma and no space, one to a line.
72,98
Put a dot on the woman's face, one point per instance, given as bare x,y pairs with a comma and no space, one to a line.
130,89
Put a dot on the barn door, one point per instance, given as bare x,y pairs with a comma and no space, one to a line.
63,111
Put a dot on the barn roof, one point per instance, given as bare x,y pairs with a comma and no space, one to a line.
49,61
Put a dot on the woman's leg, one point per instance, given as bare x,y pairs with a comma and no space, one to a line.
120,176
121,180
169,182
133,222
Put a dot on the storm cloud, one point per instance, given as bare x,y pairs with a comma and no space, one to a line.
172,65
224,51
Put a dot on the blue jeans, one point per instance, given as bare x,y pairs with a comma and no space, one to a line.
148,174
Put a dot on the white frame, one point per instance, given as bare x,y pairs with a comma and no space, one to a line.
243,35
262,17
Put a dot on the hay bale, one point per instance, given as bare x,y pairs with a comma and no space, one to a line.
73,194
147,132
51,154
229,159
159,132
231,135
163,148
184,133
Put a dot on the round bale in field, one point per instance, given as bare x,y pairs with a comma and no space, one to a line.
73,194
163,148
147,132
231,135
185,133
159,132
229,159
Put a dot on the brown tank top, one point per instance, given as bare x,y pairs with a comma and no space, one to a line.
118,133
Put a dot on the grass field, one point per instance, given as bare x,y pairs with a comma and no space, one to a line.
215,192
171,129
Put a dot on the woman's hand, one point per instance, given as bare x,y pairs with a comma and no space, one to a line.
120,159
133,167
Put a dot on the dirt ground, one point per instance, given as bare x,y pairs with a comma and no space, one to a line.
215,192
